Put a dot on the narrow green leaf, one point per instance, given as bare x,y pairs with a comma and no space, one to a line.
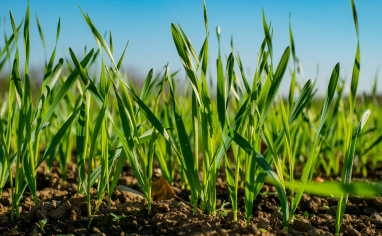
264,107
65,87
186,158
40,32
347,172
98,37
58,136
355,17
9,41
279,187
327,104
185,57
81,140
267,35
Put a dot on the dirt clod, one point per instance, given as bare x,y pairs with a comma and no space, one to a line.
302,225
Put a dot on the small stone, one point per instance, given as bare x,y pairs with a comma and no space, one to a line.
75,213
280,233
331,211
252,229
302,225
353,232
60,211
378,202
313,232
40,214
376,217
12,232
366,231
3,220
26,206
275,219
131,191
7,201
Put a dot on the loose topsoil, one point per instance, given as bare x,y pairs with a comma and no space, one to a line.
65,212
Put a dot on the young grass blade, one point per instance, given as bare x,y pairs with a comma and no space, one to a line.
229,73
301,101
189,45
98,36
137,170
128,104
111,43
41,35
353,91
241,141
124,117
271,174
123,55
267,35
146,85
90,85
51,62
26,40
150,116
234,126
288,143
249,196
205,60
239,63
5,161
187,159
347,171
224,88
293,82
146,88
29,160
300,104
355,17
292,41
264,107
9,41
58,136
205,16
224,85
163,165
66,87
329,96
185,57
81,140
117,173
336,188
325,110
279,186
58,30
96,130
221,92
49,85
374,144
17,81
269,142
97,171
195,128
13,27
231,184
53,56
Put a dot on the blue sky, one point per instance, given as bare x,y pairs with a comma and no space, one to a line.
324,32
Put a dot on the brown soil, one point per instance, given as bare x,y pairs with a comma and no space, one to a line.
66,212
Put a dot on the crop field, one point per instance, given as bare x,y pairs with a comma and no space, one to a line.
100,155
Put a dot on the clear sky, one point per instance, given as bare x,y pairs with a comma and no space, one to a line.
324,32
